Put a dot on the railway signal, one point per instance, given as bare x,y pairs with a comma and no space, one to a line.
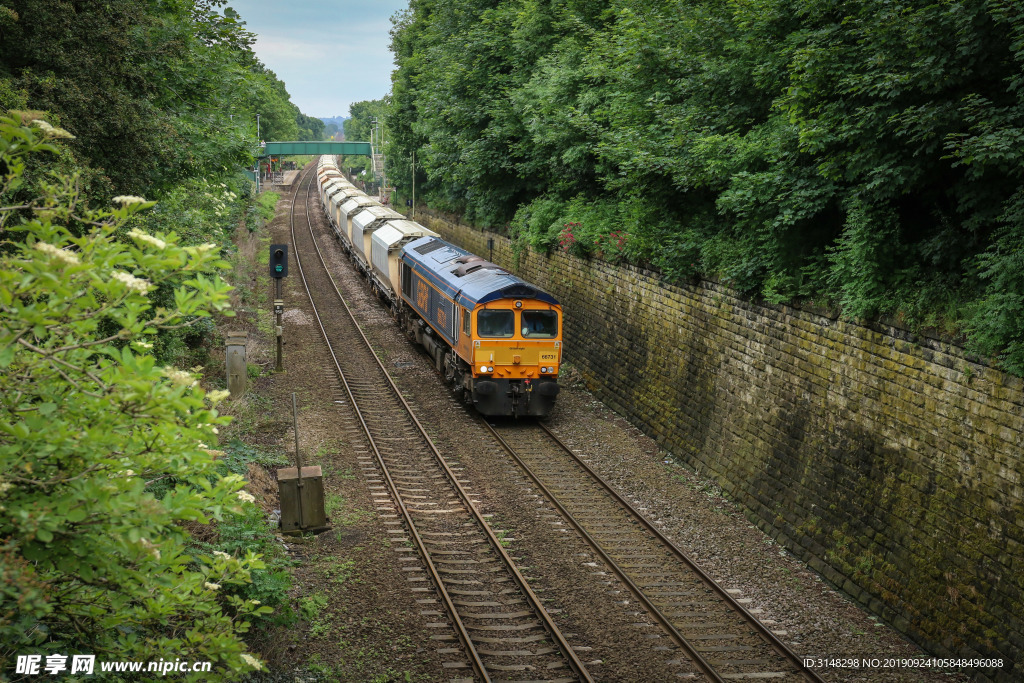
278,260
278,270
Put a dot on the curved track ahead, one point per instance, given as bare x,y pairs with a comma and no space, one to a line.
504,630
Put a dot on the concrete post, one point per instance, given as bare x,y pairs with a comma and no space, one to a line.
234,361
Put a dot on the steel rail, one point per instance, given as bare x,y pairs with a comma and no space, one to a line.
575,663
640,595
478,664
751,620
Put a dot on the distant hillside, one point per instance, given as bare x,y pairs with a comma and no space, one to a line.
339,121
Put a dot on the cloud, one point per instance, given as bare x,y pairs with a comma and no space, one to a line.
269,50
328,53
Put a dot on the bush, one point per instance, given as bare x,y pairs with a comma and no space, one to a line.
90,425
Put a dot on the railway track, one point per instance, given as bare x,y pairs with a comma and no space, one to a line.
720,636
503,629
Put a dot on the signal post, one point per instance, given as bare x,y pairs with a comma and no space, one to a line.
278,270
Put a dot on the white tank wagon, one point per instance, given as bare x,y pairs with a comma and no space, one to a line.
330,190
339,195
330,187
363,224
333,181
386,255
326,176
327,160
349,208
330,180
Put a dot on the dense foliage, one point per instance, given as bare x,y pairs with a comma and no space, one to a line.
92,560
107,444
859,154
156,92
360,127
162,97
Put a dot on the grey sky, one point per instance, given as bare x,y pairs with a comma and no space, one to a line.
329,53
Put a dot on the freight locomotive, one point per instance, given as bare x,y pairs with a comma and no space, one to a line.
496,339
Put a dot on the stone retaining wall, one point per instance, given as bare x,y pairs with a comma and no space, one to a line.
892,467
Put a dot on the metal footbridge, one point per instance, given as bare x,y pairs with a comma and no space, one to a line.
273,149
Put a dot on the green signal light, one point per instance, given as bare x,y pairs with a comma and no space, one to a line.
278,261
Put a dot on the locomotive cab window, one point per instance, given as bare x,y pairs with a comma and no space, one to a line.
465,322
540,324
495,323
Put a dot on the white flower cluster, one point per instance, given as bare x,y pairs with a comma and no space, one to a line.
179,377
56,252
150,547
201,249
129,199
5,486
218,395
246,497
131,282
148,239
51,131
222,555
211,586
252,661
143,344
220,208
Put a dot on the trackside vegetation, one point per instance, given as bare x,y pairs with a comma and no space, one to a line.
360,127
106,454
156,93
859,155
125,531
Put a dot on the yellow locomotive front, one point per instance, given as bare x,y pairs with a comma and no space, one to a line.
497,339
516,352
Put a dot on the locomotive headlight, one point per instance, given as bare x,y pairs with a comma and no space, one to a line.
490,368
483,368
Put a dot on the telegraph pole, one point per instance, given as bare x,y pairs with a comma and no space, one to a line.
259,185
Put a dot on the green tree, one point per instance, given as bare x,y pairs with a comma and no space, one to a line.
360,127
148,85
157,92
92,560
310,128
362,114
863,155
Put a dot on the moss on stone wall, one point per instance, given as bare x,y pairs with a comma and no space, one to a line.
893,468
